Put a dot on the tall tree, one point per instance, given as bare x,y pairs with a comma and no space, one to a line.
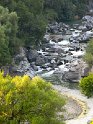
8,30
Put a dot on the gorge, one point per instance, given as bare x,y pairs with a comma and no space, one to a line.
50,44
62,53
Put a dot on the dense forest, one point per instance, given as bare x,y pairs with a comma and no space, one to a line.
23,22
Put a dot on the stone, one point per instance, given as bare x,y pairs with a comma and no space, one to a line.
88,18
34,67
85,71
23,66
40,61
59,50
71,76
84,38
32,55
83,28
13,70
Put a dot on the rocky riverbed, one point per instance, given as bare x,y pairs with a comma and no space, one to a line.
60,55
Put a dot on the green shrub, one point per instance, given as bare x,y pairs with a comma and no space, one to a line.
86,85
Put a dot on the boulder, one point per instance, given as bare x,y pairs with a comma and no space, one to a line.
32,55
75,70
59,50
34,67
89,26
18,58
40,61
83,28
53,29
71,76
85,71
84,38
21,56
88,18
21,65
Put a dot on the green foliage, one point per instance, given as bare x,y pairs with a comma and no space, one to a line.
50,15
5,56
81,7
32,22
89,53
33,100
34,15
86,85
67,9
8,30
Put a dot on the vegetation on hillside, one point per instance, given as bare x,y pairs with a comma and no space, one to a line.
23,99
27,20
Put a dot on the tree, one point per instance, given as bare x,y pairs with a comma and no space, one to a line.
32,22
8,30
86,85
5,57
81,7
23,99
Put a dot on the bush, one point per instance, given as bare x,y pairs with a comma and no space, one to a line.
86,85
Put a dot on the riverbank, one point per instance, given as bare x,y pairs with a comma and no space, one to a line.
85,103
73,108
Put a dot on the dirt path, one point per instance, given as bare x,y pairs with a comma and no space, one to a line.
86,104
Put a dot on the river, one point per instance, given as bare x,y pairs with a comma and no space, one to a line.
67,87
